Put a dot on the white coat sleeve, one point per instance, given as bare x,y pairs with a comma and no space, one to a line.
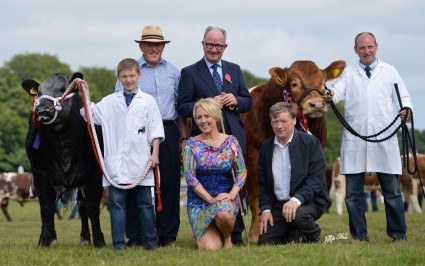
340,88
156,128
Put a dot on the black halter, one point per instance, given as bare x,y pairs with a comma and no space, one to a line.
305,93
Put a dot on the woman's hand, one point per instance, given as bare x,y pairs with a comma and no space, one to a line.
224,197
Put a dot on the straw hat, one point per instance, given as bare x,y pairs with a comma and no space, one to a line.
152,34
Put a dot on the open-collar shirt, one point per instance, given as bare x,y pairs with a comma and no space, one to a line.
281,167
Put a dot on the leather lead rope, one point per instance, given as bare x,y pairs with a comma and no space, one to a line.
407,141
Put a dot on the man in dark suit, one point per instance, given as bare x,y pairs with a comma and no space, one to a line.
292,177
222,80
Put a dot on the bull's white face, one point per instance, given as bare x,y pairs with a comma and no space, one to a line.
55,87
8,187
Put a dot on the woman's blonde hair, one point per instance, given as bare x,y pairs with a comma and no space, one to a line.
212,107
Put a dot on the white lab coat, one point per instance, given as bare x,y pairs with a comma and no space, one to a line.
370,106
128,133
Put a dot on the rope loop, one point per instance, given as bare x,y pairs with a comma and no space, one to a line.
405,137
407,141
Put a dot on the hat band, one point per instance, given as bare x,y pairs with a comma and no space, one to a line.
152,36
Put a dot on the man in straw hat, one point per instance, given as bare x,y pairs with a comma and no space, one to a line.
160,79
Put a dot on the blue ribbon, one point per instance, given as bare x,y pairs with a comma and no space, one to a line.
37,140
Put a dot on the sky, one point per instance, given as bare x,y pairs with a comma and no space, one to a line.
261,33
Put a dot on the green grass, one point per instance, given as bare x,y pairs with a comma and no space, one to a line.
18,245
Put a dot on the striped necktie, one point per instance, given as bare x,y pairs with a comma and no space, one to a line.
217,79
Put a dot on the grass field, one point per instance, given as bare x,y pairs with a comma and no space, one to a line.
18,245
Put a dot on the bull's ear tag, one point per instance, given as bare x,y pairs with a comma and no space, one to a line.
33,91
280,79
335,72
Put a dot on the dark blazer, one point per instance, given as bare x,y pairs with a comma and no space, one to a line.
308,172
196,82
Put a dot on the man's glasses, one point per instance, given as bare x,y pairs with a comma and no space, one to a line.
217,46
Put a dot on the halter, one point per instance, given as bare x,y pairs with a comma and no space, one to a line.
305,93
302,123
57,102
75,84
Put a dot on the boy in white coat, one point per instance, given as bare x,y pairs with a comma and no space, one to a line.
132,131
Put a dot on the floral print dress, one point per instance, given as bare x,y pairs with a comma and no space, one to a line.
212,168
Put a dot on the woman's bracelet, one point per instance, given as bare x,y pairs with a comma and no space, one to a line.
211,200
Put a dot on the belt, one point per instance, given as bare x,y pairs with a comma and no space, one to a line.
168,122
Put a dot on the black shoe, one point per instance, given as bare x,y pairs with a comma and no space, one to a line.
296,237
134,243
166,242
150,247
313,240
236,239
120,247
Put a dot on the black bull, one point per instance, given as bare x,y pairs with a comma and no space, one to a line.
61,157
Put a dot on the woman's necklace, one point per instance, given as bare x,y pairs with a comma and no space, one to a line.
213,141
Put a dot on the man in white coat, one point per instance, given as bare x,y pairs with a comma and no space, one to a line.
370,105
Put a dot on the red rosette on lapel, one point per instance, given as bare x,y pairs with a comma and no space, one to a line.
228,78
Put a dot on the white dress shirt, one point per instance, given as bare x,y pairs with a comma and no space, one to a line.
281,167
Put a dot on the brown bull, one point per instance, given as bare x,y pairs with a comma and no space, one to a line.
304,83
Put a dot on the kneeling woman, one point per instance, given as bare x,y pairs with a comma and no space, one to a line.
212,196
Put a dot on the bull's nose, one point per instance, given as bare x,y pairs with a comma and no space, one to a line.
39,109
43,112
43,108
320,104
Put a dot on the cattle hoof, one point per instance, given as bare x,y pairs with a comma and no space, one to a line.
42,243
84,242
253,239
100,243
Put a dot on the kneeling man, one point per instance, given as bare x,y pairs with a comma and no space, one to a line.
291,173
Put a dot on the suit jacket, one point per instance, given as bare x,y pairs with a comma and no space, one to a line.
308,172
196,82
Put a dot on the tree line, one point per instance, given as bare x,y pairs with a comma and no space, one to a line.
16,104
